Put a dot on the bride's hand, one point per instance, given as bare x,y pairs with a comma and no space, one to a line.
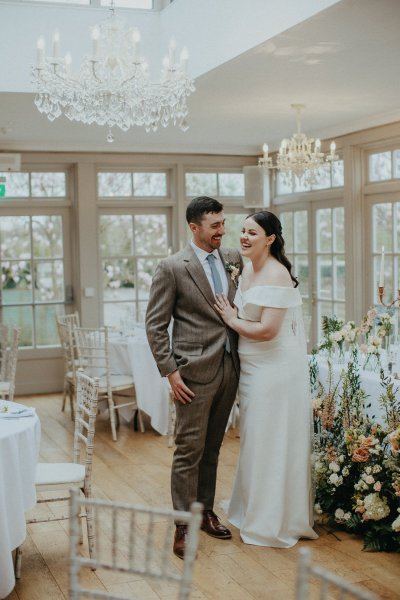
223,308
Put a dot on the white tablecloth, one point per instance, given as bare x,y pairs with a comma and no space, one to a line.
19,446
132,356
370,383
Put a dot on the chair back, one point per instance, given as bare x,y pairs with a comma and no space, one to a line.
85,421
327,582
71,319
9,338
133,539
92,350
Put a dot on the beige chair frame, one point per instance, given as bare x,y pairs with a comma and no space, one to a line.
62,477
93,354
326,580
65,324
134,545
8,360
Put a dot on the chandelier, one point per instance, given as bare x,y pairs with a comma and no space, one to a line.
113,87
300,156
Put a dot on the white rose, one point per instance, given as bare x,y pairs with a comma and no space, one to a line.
334,467
333,478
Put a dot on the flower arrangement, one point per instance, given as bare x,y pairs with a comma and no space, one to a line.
356,460
233,269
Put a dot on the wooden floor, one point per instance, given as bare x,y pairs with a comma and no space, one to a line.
136,469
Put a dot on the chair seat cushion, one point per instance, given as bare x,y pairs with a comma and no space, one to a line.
118,382
59,473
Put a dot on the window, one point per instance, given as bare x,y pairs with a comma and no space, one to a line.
384,165
32,254
215,184
34,185
386,234
295,233
32,273
330,176
127,185
131,245
330,267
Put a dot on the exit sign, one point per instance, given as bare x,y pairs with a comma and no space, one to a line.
2,187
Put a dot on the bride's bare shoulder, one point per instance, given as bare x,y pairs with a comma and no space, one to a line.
277,274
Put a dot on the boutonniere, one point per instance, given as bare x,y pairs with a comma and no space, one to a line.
234,270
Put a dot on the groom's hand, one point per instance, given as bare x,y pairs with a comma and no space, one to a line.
180,390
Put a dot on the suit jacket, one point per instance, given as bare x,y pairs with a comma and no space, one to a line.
180,290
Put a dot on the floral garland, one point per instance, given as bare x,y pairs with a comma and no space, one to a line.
356,460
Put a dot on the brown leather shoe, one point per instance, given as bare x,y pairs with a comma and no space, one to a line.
213,527
180,540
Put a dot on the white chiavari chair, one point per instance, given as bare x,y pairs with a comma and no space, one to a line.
136,540
328,584
93,354
77,475
65,324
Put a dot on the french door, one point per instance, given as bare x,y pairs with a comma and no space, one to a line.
315,245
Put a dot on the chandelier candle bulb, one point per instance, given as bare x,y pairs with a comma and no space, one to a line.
265,150
382,270
40,45
136,45
184,58
56,44
172,49
95,41
68,61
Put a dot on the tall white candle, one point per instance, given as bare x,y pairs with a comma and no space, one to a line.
382,271
40,52
172,48
56,43
95,42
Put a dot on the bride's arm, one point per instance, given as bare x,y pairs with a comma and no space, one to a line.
264,330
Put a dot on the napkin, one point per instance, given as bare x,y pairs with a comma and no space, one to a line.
17,412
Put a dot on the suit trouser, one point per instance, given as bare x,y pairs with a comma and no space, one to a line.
200,429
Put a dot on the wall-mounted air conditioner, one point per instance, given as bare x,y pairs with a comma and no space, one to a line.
256,187
10,162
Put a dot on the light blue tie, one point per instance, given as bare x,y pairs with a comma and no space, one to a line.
218,289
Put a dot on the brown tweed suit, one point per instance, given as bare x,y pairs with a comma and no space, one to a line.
180,290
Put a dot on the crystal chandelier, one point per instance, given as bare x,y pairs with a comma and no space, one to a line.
112,87
300,156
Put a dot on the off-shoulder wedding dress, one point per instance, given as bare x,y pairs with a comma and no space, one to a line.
272,501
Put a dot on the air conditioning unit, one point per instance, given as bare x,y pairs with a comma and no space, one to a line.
256,187
10,162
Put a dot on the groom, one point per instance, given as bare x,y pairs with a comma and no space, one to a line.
200,361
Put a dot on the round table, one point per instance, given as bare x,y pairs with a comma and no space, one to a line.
19,445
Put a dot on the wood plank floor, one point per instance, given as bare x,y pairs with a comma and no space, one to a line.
136,469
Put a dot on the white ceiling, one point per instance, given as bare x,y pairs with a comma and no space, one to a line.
342,62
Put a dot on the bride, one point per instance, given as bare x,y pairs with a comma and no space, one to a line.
271,501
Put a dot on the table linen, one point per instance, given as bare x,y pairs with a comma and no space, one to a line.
131,355
19,446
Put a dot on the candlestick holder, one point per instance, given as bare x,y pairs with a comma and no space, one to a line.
395,303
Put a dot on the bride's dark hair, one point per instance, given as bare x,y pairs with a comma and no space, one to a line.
272,226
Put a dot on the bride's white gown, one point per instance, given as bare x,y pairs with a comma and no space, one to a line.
271,501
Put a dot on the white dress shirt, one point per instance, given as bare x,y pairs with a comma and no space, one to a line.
202,256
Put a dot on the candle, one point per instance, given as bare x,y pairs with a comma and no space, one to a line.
56,43
382,271
40,52
136,45
95,41
265,151
184,57
172,48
